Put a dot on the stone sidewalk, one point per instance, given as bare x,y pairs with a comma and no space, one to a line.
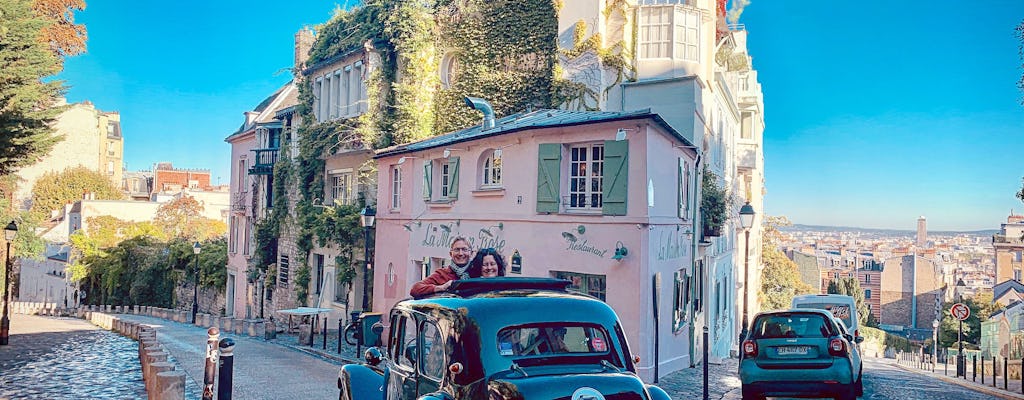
947,373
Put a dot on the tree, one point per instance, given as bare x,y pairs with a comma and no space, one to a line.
780,279
850,286
55,189
982,307
26,99
64,37
182,218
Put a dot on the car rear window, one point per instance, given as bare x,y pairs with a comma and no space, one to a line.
552,339
792,325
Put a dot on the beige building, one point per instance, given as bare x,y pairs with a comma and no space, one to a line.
912,292
91,138
1009,247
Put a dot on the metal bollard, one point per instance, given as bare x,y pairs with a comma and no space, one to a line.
341,334
982,370
227,365
1006,374
210,373
325,334
974,368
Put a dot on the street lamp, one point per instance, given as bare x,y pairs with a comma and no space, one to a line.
196,248
366,218
935,342
747,221
10,231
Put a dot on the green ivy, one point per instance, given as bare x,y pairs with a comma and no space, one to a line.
714,204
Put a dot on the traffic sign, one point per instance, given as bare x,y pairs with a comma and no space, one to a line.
960,311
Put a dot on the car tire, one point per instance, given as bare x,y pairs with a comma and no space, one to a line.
749,394
850,394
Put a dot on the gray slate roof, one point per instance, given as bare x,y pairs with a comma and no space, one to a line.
1001,288
544,118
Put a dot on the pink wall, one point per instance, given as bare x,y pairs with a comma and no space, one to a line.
241,146
658,241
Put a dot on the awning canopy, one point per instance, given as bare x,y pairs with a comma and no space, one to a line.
305,311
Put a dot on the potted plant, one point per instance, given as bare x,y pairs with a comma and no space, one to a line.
714,205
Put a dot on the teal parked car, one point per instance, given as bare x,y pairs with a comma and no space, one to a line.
800,353
500,339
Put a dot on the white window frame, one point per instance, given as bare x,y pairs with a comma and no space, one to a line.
670,31
491,170
444,179
585,172
233,243
396,187
282,271
341,186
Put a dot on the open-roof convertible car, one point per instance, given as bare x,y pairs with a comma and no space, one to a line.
497,339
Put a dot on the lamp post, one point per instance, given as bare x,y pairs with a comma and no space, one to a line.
196,248
935,342
747,221
10,231
366,218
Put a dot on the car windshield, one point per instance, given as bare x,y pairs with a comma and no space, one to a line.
792,325
552,339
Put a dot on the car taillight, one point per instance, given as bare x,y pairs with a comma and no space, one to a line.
837,347
749,348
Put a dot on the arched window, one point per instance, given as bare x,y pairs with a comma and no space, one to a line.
492,169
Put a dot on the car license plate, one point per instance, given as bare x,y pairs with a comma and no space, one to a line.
793,350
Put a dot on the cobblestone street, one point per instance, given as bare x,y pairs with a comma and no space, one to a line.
68,358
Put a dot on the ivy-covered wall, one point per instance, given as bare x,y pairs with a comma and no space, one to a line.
504,51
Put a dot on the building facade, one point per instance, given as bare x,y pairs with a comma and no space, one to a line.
590,201
1008,246
91,138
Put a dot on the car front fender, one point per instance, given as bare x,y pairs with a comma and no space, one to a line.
359,382
657,393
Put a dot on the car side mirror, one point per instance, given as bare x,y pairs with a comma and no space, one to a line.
859,339
373,356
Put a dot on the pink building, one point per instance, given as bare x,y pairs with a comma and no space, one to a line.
254,150
604,199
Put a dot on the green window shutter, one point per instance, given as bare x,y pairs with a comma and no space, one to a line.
453,176
614,179
427,179
549,166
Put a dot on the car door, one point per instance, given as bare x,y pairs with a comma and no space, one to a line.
403,376
433,358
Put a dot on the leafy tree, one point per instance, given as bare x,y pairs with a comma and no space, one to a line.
55,189
182,218
64,37
27,99
851,287
780,279
982,307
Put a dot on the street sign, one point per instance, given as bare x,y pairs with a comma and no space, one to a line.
960,311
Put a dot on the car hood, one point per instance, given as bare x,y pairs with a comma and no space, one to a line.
609,386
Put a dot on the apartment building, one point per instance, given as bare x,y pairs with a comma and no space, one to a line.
91,138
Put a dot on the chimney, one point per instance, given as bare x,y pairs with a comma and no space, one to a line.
303,43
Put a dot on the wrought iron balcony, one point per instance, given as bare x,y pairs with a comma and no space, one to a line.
238,201
264,161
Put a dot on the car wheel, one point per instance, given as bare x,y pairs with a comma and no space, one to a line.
850,394
749,394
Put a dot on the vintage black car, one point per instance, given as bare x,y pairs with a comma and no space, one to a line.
497,339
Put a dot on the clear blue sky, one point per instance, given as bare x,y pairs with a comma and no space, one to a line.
876,111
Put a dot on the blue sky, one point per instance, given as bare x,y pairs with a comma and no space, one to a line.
876,111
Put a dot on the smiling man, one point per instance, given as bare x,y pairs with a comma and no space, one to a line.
439,281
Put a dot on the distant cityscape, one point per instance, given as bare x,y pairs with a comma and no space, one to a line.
907,275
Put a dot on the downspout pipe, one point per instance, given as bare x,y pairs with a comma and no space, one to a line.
484,107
